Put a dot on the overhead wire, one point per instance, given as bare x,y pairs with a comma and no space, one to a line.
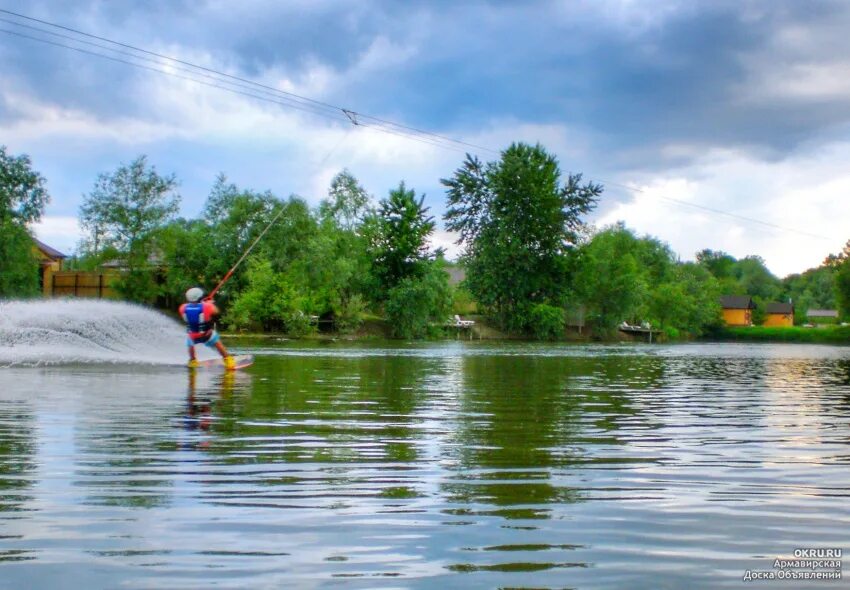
337,114
166,57
248,87
681,202
188,78
253,89
376,123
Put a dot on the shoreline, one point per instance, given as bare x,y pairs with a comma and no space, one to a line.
753,334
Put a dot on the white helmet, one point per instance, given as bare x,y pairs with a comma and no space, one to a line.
194,294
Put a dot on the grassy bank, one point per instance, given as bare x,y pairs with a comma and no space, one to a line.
823,335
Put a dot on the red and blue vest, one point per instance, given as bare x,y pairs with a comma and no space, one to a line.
198,317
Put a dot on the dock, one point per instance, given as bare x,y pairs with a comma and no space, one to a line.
648,330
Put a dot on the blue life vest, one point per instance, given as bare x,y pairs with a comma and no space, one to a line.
196,320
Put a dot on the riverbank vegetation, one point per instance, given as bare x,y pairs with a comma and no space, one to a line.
533,265
820,335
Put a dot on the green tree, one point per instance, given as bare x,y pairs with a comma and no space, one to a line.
123,214
186,256
232,219
517,223
547,321
271,301
326,260
418,303
610,280
623,277
842,289
23,197
718,263
398,240
347,203
339,260
840,263
755,278
689,301
812,289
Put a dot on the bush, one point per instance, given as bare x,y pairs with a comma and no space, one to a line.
270,302
827,334
462,301
19,277
296,323
415,303
671,333
546,322
349,314
139,285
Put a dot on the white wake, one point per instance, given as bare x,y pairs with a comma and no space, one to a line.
71,331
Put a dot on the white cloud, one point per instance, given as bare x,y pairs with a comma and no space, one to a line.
61,233
39,121
806,193
445,240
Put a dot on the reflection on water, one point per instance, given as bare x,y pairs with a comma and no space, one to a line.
454,465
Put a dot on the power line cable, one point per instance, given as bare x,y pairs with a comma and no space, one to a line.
277,100
152,69
379,124
250,88
151,60
719,211
335,115
169,58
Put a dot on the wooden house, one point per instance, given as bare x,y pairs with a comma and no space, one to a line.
50,262
779,315
737,310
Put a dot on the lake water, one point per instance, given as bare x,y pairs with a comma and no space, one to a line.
445,465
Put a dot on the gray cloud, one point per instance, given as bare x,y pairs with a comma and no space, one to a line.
649,86
635,82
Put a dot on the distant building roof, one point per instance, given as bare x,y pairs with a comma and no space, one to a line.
783,308
50,252
822,313
736,302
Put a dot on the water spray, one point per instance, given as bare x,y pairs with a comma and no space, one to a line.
87,331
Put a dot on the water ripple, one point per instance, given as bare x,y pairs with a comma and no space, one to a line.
457,465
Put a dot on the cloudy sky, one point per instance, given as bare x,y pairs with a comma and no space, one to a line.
698,117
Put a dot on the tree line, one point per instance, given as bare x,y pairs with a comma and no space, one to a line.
532,262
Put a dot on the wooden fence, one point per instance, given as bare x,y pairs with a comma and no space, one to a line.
84,284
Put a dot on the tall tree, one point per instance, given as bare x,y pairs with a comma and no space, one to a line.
347,203
123,213
23,196
517,223
398,239
717,262
811,289
757,280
